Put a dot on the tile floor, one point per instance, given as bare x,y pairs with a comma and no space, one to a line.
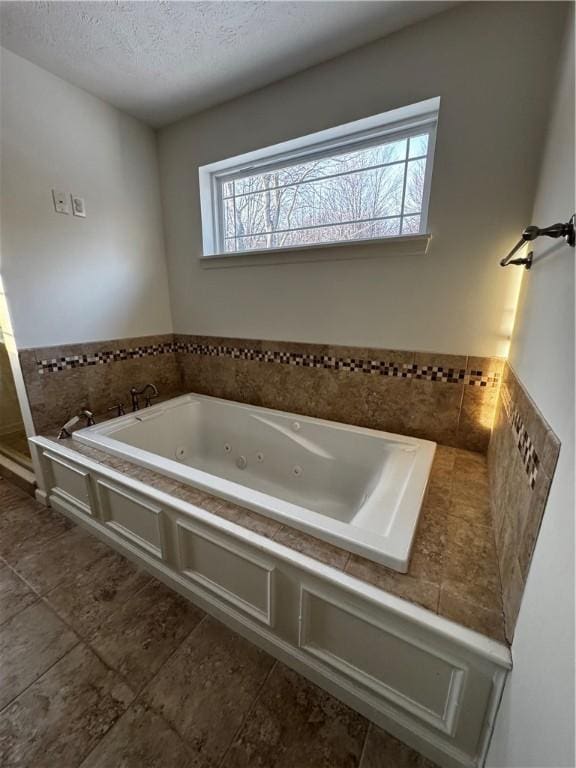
104,667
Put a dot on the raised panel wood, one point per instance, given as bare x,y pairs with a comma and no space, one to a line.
132,518
409,676
227,570
70,481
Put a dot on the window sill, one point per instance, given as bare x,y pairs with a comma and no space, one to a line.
407,245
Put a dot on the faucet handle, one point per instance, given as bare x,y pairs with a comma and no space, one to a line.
119,408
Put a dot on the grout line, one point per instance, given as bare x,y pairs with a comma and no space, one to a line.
248,712
138,700
148,683
41,675
363,751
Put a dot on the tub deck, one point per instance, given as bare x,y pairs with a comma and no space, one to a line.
453,569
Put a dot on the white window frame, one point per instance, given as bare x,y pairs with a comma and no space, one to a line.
398,123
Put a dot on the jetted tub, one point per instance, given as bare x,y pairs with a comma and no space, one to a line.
359,489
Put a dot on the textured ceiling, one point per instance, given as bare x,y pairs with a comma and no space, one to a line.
160,61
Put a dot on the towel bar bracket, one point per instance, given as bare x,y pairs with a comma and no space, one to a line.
567,231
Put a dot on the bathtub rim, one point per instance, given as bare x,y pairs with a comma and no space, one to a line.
393,550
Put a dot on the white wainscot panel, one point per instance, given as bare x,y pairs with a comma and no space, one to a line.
420,682
70,482
138,521
228,569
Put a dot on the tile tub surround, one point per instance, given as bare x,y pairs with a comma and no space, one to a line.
212,698
446,398
62,381
522,457
453,569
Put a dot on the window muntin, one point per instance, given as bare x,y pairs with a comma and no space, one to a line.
365,185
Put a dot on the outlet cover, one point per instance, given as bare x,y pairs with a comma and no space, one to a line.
60,201
78,206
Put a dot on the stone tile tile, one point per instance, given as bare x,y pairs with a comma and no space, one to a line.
402,585
207,688
488,365
30,643
309,545
441,478
529,534
264,526
151,626
513,591
471,467
140,739
456,362
434,410
294,723
58,560
63,715
25,525
196,497
550,453
483,620
471,566
470,497
97,591
15,595
384,751
429,548
476,417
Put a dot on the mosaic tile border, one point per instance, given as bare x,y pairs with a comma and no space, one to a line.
354,365
56,364
530,459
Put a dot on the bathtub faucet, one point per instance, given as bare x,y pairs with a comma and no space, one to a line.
85,414
148,390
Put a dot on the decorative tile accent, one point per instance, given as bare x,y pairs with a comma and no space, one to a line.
530,459
522,456
101,358
353,365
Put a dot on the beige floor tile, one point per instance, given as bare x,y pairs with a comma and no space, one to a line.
140,739
15,595
384,751
97,591
294,723
207,688
58,720
30,643
59,560
138,638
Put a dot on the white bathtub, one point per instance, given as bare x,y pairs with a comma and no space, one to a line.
359,489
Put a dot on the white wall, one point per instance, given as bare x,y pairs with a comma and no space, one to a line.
535,726
479,58
69,279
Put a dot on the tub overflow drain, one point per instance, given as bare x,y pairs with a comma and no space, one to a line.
260,457
227,447
241,462
297,470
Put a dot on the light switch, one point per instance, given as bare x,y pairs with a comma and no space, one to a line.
60,202
78,206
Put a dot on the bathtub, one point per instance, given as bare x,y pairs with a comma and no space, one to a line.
356,488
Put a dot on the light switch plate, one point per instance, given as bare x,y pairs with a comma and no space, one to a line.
60,201
78,206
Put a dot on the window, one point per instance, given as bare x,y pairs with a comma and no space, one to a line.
362,181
